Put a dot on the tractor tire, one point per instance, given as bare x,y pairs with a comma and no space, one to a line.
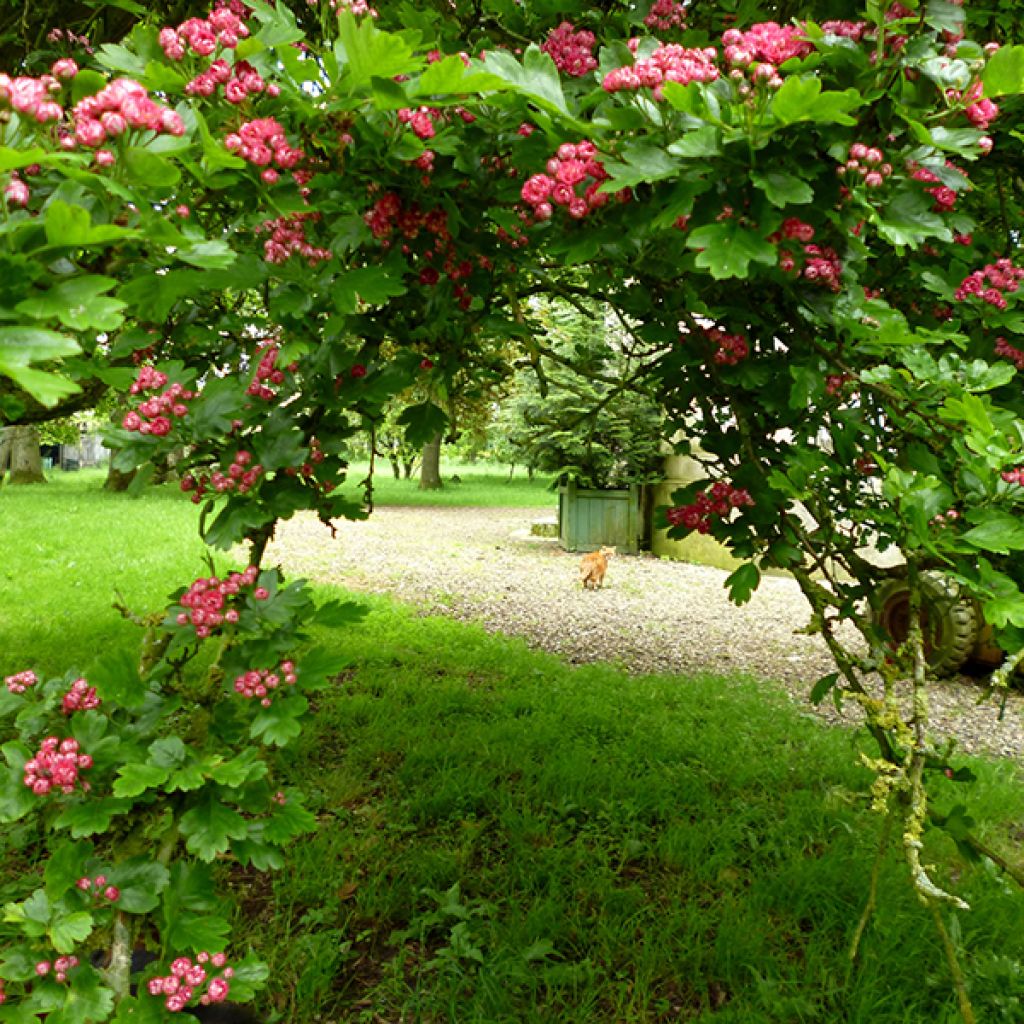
951,623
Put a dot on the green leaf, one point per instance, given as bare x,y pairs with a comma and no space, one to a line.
374,285
366,52
141,882
86,1000
729,248
78,304
743,582
68,225
16,799
701,142
279,724
642,163
235,521
246,767
209,826
91,815
335,614
1000,532
536,78
450,76
68,930
13,158
801,99
781,188
65,865
211,254
908,219
168,752
153,169
120,58
288,821
279,27
945,16
134,779
20,346
46,388
823,687
197,931
1004,72
117,681
422,422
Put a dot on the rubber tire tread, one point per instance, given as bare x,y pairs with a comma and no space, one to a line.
960,618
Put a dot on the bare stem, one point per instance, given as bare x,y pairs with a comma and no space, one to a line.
872,901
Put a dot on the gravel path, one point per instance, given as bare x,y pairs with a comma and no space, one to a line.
482,565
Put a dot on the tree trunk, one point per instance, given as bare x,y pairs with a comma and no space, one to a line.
410,465
26,459
396,468
5,452
116,480
430,471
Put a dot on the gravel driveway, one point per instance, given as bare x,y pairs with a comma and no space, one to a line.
481,565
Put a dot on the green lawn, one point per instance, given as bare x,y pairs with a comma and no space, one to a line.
504,838
481,485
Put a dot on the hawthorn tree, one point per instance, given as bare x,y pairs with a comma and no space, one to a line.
264,230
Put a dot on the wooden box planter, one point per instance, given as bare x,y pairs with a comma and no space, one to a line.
588,519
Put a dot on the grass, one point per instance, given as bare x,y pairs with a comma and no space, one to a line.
480,485
67,546
504,838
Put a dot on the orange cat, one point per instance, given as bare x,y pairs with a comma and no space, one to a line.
594,566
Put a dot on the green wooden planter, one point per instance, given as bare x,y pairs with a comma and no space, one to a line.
590,519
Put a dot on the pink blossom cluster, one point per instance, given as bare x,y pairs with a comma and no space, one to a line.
421,120
767,41
81,697
390,217
186,978
729,348
793,228
854,30
58,35
980,110
262,142
153,416
98,887
17,192
669,63
240,81
822,266
209,600
21,681
288,237
241,476
1014,476
267,371
717,501
60,967
260,682
835,382
991,283
32,97
574,165
1007,351
945,197
666,15
357,7
572,51
56,764
868,162
117,107
3,994
224,27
